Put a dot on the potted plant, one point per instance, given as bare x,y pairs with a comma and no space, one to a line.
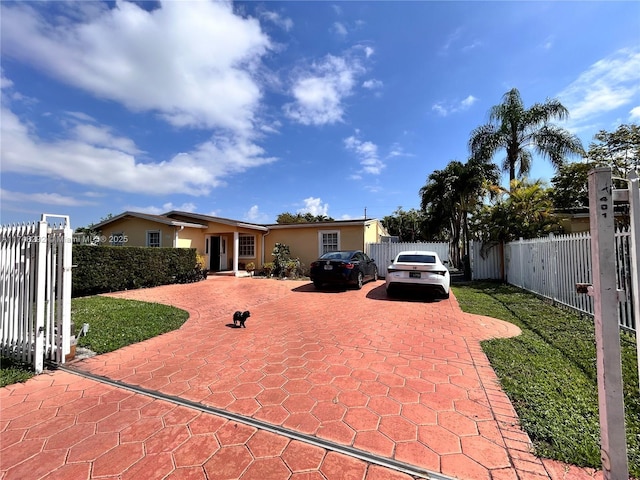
250,267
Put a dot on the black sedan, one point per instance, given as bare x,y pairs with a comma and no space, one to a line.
352,267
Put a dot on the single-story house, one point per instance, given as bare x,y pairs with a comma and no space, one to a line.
228,245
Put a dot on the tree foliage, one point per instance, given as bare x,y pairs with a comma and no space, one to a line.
407,225
619,150
525,210
289,218
570,186
450,196
517,129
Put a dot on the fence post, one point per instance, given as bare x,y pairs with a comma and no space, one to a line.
553,274
41,276
608,352
634,215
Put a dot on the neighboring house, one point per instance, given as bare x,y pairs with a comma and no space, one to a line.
228,245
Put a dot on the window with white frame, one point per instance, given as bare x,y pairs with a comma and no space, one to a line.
153,238
329,241
246,246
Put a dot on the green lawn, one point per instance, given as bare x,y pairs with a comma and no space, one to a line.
549,373
113,324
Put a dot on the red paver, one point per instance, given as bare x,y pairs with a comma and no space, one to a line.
404,380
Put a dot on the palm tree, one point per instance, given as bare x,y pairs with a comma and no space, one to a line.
514,128
450,196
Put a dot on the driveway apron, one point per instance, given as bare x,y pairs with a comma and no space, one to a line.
398,379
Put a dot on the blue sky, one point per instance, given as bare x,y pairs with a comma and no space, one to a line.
248,110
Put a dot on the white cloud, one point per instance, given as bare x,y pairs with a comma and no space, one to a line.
283,22
367,153
607,85
320,91
447,108
314,206
340,29
634,114
254,215
372,84
92,156
166,207
42,198
368,51
193,63
102,137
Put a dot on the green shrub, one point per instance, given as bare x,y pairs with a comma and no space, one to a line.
267,268
101,269
281,256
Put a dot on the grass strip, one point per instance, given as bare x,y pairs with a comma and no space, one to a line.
115,323
549,373
12,372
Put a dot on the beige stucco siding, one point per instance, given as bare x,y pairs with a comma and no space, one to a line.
304,243
134,232
373,231
191,238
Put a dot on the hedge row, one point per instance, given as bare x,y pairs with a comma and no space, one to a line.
100,269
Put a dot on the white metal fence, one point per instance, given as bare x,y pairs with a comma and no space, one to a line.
552,266
35,292
384,253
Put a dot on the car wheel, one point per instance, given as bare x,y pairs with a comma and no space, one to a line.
360,281
390,292
446,296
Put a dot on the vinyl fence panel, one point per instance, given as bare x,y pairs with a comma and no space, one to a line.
552,266
384,253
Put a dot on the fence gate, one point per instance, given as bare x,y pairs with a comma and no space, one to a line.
35,291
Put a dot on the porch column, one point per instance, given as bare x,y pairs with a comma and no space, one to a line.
236,248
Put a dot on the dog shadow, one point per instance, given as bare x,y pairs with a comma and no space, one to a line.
231,325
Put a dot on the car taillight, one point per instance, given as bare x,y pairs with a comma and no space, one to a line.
314,264
348,266
440,272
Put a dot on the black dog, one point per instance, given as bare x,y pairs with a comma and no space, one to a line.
240,317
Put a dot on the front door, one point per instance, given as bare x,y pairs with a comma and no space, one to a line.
214,254
223,254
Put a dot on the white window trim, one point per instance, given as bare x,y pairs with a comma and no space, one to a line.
159,232
321,233
254,245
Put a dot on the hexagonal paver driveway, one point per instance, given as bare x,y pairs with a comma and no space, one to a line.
404,380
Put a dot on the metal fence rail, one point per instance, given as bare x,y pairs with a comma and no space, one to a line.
35,292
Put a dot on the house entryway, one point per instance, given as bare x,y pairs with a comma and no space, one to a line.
216,249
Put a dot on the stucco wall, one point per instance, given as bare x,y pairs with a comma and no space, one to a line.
304,242
135,230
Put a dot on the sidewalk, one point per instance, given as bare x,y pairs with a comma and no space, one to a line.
403,381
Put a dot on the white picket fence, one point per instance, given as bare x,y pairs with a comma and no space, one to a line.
384,253
549,267
552,266
35,292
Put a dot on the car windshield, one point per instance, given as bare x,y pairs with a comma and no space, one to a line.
416,258
336,256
